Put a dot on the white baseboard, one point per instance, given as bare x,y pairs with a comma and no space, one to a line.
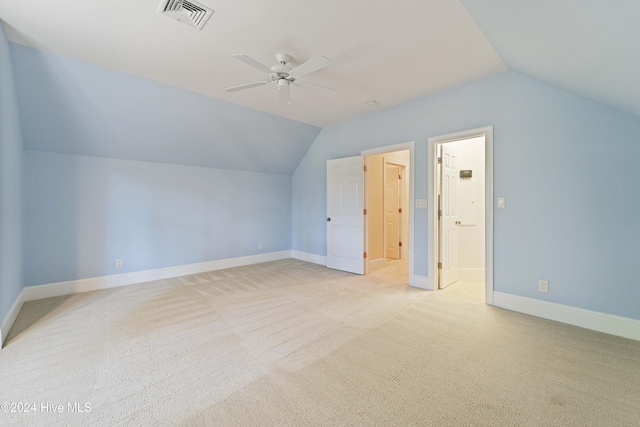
421,282
10,318
95,283
306,256
376,263
471,274
597,321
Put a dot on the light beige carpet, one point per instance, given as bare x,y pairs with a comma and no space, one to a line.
293,343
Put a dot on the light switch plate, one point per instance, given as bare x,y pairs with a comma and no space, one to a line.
421,203
501,203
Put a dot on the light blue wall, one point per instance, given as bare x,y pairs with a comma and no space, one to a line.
11,186
83,213
567,167
73,107
198,179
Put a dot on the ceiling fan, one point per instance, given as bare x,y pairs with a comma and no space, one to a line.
285,75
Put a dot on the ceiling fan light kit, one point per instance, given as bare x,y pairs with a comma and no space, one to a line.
285,75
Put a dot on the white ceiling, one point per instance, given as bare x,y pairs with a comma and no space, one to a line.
390,52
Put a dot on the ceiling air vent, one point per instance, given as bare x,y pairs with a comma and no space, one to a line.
189,12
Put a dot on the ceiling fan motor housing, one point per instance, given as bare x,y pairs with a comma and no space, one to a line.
284,74
283,58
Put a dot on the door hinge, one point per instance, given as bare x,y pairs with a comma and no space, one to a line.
439,266
365,254
364,211
399,210
399,243
439,213
364,168
439,159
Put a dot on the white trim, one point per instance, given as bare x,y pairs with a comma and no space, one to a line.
421,282
595,320
411,146
431,214
306,256
488,223
10,318
95,283
365,222
471,274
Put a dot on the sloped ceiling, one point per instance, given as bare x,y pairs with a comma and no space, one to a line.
590,48
92,65
73,107
390,52
382,51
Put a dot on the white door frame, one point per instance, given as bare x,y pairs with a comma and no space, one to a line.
432,160
387,149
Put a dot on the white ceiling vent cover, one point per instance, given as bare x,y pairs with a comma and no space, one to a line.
187,11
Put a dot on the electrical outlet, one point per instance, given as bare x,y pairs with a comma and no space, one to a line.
119,263
260,246
543,286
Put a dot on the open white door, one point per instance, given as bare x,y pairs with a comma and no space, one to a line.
448,219
345,214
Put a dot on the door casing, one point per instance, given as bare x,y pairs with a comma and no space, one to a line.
387,149
432,159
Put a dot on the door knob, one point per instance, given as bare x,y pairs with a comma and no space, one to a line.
328,219
458,223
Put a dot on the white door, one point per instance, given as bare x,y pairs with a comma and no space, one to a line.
345,215
404,215
448,219
392,211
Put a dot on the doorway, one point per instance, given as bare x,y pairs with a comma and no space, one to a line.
394,210
460,173
460,222
347,216
388,211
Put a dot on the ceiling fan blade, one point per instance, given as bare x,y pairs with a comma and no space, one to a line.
247,86
284,93
253,63
314,64
316,88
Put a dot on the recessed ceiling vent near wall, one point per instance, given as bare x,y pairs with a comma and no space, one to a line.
187,11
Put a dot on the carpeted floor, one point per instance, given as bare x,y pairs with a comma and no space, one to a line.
293,343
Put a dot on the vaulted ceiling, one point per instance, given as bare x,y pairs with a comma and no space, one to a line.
590,48
388,52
